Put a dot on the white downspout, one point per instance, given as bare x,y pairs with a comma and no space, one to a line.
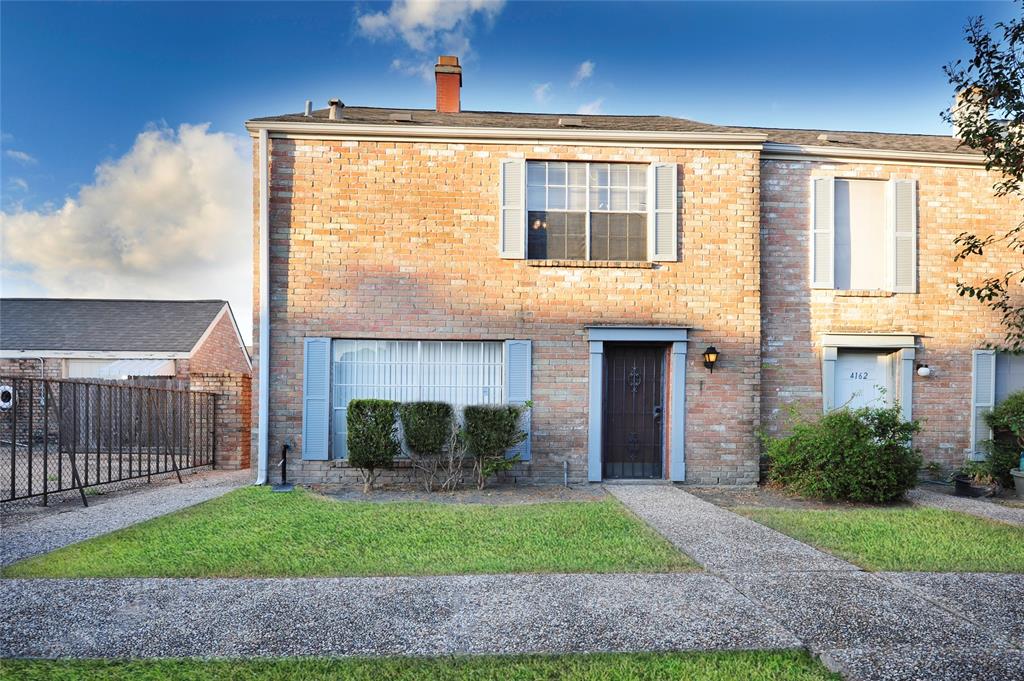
263,398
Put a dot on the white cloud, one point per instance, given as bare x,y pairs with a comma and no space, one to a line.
169,219
20,156
542,92
18,183
591,108
583,72
425,25
423,69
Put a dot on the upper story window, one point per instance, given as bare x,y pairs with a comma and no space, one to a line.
864,234
559,210
586,211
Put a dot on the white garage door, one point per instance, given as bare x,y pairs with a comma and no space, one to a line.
864,379
119,368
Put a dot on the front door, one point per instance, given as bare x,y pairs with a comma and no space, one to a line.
865,378
633,405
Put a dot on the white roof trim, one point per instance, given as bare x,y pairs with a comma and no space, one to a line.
775,151
497,135
89,354
868,340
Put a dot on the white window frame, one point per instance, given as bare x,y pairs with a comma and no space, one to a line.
587,211
418,385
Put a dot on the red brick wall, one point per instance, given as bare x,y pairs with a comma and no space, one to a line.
948,327
233,413
32,368
400,240
220,351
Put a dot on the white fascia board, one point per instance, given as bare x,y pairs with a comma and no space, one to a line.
773,151
868,340
89,354
454,134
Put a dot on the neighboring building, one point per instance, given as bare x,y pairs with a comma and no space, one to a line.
587,262
116,339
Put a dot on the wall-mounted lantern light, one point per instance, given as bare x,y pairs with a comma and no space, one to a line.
923,370
710,357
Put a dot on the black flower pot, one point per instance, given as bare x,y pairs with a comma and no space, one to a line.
964,487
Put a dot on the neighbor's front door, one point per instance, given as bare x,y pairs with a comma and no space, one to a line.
633,405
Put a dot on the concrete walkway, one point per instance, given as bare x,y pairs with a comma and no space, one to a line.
976,507
720,540
765,591
48,529
871,626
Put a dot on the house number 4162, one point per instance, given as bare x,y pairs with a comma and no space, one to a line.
859,375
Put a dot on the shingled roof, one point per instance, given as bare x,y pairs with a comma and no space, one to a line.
838,139
79,324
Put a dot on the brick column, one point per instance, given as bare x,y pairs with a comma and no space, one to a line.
233,414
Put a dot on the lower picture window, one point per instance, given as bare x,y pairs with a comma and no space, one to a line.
457,372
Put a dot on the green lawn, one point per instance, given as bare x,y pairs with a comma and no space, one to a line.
747,665
254,532
903,539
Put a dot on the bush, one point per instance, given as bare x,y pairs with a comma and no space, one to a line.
427,427
372,437
855,455
1007,424
490,431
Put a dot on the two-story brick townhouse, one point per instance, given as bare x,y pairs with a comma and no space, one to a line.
588,263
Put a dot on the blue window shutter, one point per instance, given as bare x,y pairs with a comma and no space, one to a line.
903,232
316,399
512,211
983,399
518,386
663,212
823,232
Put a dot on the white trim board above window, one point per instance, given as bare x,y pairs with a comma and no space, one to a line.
579,211
863,234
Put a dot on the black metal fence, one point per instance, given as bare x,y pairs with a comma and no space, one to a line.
61,435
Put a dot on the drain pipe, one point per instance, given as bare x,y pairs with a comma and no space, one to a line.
565,473
263,396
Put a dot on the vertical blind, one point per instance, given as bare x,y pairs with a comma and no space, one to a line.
457,372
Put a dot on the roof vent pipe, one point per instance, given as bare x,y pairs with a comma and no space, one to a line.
336,106
309,107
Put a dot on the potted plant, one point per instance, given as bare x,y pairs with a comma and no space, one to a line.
973,479
1006,448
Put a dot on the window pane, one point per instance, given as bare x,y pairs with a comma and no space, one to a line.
637,176
576,236
599,236
619,200
638,200
556,173
618,236
535,173
556,198
620,175
535,198
598,199
599,174
578,174
577,198
456,372
537,236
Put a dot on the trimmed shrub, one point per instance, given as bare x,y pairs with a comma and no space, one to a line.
860,455
372,437
490,431
1007,424
427,427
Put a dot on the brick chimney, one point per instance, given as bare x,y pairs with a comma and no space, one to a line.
448,75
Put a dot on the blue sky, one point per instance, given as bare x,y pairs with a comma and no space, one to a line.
80,82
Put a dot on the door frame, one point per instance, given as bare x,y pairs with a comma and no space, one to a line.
903,345
675,337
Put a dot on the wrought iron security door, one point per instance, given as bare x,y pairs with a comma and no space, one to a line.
633,406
